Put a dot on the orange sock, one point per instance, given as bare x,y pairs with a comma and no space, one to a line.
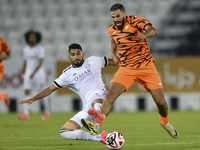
3,96
100,122
164,120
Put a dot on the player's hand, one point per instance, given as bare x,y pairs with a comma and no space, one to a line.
116,59
141,36
29,101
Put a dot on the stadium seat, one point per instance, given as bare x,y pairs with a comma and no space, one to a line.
68,21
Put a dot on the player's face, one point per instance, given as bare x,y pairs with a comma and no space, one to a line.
32,39
118,17
76,56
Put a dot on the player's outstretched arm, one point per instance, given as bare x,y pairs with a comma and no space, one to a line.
111,62
47,91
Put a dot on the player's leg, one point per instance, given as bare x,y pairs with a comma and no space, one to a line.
25,107
150,79
97,104
162,106
27,86
4,96
115,90
121,82
72,129
39,83
93,126
46,105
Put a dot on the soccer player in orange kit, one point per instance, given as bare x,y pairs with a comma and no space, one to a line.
4,55
128,35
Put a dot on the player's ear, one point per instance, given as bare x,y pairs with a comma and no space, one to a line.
83,55
125,13
69,57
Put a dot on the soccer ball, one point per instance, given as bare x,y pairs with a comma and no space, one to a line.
115,140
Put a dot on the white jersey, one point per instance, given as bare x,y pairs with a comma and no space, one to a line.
32,55
86,80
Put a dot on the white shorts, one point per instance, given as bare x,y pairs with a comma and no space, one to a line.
38,82
84,113
101,94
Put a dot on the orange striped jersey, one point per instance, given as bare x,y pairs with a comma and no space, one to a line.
132,53
3,48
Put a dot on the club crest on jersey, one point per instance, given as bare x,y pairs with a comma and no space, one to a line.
126,27
82,75
88,65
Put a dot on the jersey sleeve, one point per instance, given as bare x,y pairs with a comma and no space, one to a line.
111,31
5,46
61,81
139,22
102,60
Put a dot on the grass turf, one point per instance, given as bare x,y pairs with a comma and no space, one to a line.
141,131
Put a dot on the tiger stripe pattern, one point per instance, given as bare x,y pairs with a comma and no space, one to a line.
132,53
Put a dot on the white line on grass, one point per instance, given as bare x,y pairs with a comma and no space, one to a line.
182,143
165,143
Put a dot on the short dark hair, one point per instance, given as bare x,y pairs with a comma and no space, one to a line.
75,46
117,6
36,33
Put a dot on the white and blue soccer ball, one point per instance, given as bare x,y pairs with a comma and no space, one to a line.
115,140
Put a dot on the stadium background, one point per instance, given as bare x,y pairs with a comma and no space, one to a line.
62,22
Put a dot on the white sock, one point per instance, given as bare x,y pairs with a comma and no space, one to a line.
79,135
98,125
97,106
26,107
46,104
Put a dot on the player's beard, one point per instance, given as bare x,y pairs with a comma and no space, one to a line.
78,64
122,23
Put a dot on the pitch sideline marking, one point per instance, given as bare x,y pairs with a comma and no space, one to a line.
91,145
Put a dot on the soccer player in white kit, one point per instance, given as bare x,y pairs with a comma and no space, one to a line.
33,72
84,78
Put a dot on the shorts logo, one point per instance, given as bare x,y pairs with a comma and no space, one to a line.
160,84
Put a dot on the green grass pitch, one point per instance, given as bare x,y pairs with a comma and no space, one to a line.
141,130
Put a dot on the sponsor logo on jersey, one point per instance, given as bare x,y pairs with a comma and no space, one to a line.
84,74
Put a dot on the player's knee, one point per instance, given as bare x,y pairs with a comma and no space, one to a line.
65,133
161,103
97,101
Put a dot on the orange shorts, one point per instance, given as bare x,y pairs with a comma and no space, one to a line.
147,76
